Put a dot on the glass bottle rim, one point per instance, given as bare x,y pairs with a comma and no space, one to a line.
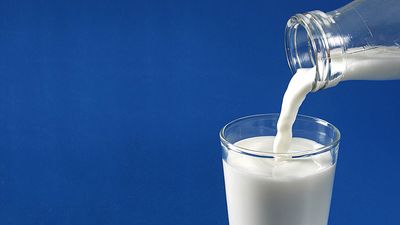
316,25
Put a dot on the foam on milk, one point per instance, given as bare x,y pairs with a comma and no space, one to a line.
265,191
299,86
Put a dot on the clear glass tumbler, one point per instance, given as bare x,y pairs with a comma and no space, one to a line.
266,188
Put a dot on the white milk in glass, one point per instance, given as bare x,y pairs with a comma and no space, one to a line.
264,191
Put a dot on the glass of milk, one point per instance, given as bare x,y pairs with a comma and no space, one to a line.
266,188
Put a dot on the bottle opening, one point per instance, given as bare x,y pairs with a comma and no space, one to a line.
307,45
299,48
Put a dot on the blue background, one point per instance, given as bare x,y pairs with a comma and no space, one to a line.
110,111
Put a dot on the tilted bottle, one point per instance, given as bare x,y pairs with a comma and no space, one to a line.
360,41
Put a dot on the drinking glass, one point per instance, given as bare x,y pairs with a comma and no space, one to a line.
267,188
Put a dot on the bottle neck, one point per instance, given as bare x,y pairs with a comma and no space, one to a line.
314,39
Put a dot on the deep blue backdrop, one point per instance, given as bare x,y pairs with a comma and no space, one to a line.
110,111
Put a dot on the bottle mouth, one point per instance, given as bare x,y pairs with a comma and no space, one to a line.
306,46
299,46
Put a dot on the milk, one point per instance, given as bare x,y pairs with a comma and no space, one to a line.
374,63
263,191
363,63
299,86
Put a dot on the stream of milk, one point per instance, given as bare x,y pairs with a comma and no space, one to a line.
299,86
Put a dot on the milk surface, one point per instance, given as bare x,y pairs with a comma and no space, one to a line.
263,191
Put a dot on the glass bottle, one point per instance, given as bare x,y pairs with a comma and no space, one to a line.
360,41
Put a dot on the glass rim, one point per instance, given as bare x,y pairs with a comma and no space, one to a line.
270,154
